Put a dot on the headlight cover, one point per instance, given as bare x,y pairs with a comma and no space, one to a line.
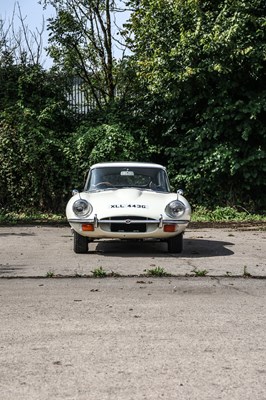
175,209
82,207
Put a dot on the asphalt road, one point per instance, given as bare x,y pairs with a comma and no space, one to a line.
132,337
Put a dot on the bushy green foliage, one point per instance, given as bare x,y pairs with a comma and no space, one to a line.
224,214
203,68
192,97
34,170
104,142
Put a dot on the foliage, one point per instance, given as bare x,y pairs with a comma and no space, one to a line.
82,42
199,214
203,67
33,166
108,142
191,96
157,271
199,272
225,214
13,218
20,45
34,171
99,273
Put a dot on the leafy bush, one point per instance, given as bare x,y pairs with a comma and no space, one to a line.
194,100
103,143
224,214
34,171
34,119
202,67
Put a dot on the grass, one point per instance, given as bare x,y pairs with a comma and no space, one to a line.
199,272
14,218
225,214
199,214
158,271
99,273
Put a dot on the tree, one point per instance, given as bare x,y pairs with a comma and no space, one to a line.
82,43
34,122
35,125
203,66
20,45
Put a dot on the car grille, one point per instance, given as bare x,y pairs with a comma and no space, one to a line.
127,224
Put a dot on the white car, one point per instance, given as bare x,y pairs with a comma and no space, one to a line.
128,200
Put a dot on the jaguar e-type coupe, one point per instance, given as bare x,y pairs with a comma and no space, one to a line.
129,201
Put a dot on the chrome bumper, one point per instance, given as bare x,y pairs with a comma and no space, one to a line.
160,222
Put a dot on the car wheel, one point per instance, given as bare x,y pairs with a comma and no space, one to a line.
80,243
175,244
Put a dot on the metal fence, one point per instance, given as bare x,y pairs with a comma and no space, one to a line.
79,99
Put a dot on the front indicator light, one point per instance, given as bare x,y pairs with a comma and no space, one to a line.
88,227
170,228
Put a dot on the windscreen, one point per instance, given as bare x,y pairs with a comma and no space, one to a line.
104,178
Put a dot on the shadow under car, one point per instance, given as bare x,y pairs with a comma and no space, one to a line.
193,248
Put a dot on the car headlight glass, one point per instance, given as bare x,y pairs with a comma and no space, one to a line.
175,209
82,207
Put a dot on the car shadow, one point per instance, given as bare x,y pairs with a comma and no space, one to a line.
193,248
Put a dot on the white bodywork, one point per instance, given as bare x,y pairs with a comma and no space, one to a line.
136,212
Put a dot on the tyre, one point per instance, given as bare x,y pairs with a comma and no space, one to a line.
175,244
80,243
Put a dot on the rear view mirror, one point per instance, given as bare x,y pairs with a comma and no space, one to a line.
127,173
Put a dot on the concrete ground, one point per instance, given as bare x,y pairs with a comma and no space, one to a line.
30,251
132,337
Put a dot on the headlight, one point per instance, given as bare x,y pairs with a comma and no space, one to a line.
175,209
82,207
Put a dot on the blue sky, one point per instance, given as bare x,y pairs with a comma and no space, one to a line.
33,14
30,9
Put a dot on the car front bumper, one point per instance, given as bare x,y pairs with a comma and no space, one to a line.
128,227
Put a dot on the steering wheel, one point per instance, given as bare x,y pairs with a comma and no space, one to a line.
104,185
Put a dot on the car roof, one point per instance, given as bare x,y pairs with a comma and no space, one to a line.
127,164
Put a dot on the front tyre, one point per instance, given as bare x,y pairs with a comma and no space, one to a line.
175,244
80,243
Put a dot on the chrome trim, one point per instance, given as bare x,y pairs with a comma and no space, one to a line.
95,221
74,191
81,221
176,221
160,221
126,221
